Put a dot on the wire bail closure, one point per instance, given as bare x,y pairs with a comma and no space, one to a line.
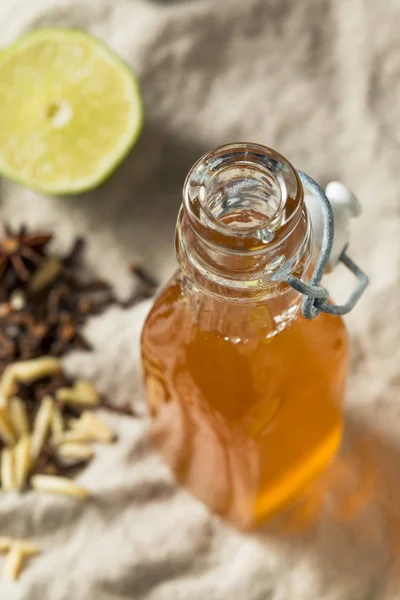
317,297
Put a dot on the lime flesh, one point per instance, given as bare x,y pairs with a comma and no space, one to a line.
70,111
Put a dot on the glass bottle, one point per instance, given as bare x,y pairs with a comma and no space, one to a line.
245,394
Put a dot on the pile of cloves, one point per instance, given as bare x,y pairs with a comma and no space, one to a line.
45,299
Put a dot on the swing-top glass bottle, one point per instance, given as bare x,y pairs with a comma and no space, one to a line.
245,394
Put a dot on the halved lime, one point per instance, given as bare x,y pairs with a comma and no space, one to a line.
70,110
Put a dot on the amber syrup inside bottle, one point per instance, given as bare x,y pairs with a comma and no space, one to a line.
245,394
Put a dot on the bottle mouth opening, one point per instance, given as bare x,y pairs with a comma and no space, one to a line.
243,226
242,190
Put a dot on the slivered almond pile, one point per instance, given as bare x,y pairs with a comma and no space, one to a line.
44,439
17,551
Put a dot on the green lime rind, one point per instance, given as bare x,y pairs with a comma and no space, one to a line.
125,92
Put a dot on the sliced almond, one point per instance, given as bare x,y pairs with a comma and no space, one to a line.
58,485
37,368
3,401
83,393
7,433
7,383
98,431
57,422
7,470
13,563
27,548
72,436
22,461
41,426
5,543
75,452
87,392
44,276
19,551
19,416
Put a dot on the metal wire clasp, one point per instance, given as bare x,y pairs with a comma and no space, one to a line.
317,297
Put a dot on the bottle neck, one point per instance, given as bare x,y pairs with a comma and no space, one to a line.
243,226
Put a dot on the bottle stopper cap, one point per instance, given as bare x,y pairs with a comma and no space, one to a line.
330,213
